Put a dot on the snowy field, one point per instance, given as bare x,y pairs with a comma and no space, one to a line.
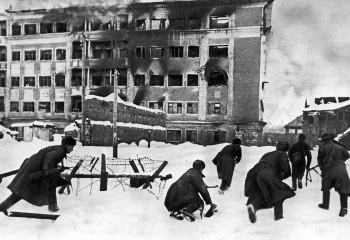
127,213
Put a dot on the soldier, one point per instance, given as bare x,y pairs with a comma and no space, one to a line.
264,184
296,154
331,160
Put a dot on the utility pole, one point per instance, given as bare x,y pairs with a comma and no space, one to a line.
115,115
83,67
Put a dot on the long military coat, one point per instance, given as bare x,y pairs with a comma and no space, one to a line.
298,168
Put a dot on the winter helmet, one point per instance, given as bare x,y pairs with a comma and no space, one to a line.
326,137
302,137
236,141
68,140
198,164
282,146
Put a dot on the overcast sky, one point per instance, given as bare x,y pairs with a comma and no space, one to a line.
308,52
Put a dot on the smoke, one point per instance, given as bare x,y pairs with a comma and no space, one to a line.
307,56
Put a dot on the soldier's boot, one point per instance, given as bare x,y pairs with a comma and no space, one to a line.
9,202
278,211
251,213
343,205
294,183
325,196
300,184
53,200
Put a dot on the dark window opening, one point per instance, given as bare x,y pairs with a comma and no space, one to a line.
140,80
76,103
218,51
28,106
176,52
140,24
76,77
2,78
192,108
61,27
123,53
174,80
3,54
193,51
219,22
79,26
123,20
140,52
2,104
101,50
14,106
60,54
77,50
156,105
16,56
191,136
194,23
16,29
192,80
122,77
217,78
44,107
29,29
30,55
157,52
2,28
215,137
214,108
46,28
59,107
15,81
158,24
156,80
177,24
173,135
29,81
175,108
44,81
46,54
60,80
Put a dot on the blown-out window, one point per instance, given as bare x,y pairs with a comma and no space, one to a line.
60,54
59,107
177,24
140,24
173,135
174,80
46,28
192,80
219,21
60,80
29,81
16,56
14,106
157,52
175,108
218,51
123,20
140,52
29,29
16,29
139,80
176,52
61,27
158,24
156,80
44,106
155,105
28,106
192,108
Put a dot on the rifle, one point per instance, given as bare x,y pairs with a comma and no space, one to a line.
308,174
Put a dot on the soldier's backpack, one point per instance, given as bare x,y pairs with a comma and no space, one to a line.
297,157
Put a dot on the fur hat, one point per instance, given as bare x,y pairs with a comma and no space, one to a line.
326,137
236,141
282,146
199,164
68,140
302,137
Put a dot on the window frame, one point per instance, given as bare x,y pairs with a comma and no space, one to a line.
31,78
12,55
176,51
177,107
65,54
19,81
27,52
26,106
46,54
27,29
192,102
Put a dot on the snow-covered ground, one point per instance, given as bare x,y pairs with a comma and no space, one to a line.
122,212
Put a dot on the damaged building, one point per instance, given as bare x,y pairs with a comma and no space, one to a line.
201,62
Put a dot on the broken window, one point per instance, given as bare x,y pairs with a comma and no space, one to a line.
175,108
192,80
2,78
191,136
155,105
76,77
3,54
156,80
215,137
15,81
59,107
140,24
61,27
60,54
176,52
30,29
79,25
177,24
194,23
28,81
122,77
44,107
30,55
101,50
219,21
192,108
44,81
217,78
46,54
173,136
123,20
16,29
158,24
157,52
77,50
28,106
76,103
214,108
193,51
139,80
140,52
174,80
60,80
218,51
101,77
2,28
46,28
14,106
2,104
16,56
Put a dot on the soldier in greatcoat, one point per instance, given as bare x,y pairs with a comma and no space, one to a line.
226,161
331,160
264,184
39,176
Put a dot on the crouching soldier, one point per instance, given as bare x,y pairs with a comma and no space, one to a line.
331,160
264,184
183,199
39,176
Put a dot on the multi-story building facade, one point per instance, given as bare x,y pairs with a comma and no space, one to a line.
201,62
